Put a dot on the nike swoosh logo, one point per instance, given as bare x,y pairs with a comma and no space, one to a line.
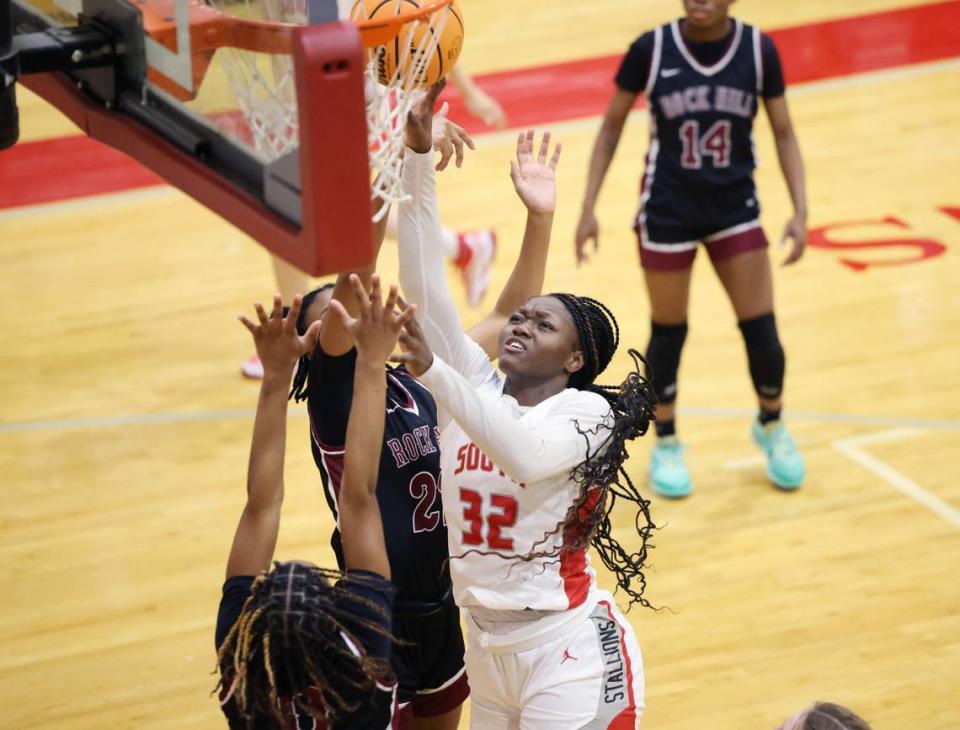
668,72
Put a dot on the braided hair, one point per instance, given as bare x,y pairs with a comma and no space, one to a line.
300,387
600,477
287,650
830,716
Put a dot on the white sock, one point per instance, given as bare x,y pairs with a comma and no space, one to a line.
451,244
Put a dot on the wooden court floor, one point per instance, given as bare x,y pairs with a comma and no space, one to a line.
124,423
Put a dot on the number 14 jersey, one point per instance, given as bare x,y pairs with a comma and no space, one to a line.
702,115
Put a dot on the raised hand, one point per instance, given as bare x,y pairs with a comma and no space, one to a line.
796,232
376,329
415,353
587,229
449,138
419,128
535,179
278,343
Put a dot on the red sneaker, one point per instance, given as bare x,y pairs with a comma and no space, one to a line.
477,251
252,368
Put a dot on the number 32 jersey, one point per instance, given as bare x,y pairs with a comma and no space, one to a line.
507,488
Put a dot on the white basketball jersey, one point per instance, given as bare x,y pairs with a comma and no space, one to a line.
489,444
491,517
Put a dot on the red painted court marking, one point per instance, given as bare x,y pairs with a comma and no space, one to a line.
76,166
64,168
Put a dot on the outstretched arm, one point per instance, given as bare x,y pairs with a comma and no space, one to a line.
603,150
278,346
478,102
422,266
535,182
374,332
335,340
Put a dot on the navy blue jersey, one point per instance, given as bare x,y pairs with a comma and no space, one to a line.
366,595
408,486
703,99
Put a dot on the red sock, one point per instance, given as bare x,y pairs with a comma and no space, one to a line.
464,252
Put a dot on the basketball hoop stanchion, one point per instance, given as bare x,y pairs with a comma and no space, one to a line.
9,115
307,196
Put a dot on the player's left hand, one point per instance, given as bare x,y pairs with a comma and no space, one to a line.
536,179
796,232
278,343
378,324
449,138
415,352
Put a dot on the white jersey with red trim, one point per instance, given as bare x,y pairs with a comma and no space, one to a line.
493,516
505,469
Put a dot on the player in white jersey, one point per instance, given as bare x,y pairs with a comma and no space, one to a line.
531,467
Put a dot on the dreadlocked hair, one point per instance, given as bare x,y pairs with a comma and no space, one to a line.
288,648
300,387
600,477
830,716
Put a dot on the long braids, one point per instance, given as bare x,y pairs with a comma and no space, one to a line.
288,648
601,477
300,387
830,716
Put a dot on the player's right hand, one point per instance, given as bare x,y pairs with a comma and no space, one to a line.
275,336
418,132
587,229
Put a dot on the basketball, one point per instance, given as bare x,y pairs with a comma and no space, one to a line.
410,45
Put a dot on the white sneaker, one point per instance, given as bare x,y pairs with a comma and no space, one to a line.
478,249
252,368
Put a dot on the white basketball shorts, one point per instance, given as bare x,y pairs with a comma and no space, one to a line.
591,676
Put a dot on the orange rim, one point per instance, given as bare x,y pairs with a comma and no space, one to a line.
379,31
211,29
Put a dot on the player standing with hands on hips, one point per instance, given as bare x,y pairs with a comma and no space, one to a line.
703,77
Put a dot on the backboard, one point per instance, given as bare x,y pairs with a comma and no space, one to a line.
152,79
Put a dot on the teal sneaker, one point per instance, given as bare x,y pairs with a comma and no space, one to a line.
784,463
668,472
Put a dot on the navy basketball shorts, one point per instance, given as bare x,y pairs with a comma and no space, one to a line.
670,225
428,661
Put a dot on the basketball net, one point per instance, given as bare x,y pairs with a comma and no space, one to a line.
265,90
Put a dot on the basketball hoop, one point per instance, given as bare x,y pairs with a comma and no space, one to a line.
253,108
254,38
